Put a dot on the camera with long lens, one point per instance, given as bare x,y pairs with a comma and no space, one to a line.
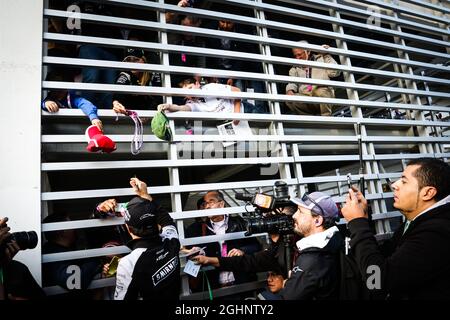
268,215
25,240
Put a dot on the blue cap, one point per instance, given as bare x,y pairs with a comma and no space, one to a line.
319,203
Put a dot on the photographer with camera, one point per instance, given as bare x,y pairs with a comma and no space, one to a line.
316,271
16,281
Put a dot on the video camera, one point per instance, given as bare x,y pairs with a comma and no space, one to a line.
268,216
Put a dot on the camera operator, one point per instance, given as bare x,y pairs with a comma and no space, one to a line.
316,271
273,260
16,281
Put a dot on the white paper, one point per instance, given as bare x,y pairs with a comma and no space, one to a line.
230,129
191,268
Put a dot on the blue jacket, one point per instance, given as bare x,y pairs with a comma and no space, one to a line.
75,101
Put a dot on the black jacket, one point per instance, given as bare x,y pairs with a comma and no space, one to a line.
316,273
152,270
271,259
414,265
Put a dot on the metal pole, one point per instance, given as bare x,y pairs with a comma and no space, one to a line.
361,162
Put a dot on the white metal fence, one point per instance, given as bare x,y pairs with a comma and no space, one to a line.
394,57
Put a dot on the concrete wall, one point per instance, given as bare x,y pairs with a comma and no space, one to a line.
20,120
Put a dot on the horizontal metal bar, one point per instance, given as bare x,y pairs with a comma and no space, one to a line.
300,119
81,224
98,165
323,139
82,254
218,138
241,95
102,193
230,54
390,175
369,197
384,236
369,157
99,252
238,75
245,37
95,284
327,19
279,25
216,238
385,139
406,156
211,212
183,215
365,13
101,165
115,221
437,7
386,215
331,158
402,9
222,292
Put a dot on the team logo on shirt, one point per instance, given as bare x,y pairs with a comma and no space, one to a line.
165,271
162,256
296,269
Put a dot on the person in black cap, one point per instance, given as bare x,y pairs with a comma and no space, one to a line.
152,270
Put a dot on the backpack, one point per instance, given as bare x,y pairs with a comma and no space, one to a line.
351,283
160,126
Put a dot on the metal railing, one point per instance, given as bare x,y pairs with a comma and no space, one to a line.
297,141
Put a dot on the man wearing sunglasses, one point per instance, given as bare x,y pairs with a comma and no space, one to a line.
316,271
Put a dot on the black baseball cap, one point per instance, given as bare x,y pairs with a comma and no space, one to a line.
141,213
134,52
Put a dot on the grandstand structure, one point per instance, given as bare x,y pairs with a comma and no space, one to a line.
392,104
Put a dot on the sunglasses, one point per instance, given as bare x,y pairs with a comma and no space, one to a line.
306,197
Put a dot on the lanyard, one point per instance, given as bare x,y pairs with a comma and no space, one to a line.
138,136
308,72
69,104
